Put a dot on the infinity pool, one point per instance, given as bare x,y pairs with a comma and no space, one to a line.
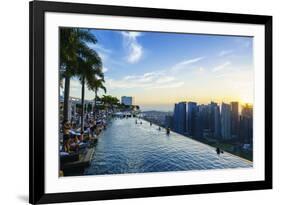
126,147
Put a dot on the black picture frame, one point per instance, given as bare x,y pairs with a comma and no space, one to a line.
37,10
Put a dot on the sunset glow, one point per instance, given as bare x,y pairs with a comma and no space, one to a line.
164,68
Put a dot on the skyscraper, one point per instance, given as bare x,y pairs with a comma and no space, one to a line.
214,119
127,100
246,124
225,121
199,121
169,121
234,119
217,131
191,117
180,118
176,118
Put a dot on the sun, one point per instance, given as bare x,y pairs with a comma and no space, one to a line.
246,100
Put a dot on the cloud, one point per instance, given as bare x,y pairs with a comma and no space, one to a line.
100,48
157,79
165,79
171,85
75,87
147,80
201,69
184,64
103,52
225,52
222,66
104,69
135,50
131,34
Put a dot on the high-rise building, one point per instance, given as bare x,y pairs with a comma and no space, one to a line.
247,111
191,117
214,119
169,121
234,119
127,100
217,131
179,118
199,121
246,124
202,122
225,121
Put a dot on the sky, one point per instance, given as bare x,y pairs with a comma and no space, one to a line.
160,69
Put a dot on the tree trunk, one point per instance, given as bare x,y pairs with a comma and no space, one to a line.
95,108
66,98
82,102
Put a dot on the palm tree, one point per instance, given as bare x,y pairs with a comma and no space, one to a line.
110,100
89,71
96,85
71,40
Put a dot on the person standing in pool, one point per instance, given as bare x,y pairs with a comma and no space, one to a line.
218,150
168,131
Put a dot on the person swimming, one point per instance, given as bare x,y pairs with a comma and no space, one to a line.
168,131
218,150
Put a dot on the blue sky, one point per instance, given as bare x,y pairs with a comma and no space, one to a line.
164,68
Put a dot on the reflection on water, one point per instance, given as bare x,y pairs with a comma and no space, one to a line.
126,147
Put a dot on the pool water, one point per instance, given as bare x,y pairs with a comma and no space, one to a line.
126,147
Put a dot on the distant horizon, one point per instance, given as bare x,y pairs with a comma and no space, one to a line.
169,107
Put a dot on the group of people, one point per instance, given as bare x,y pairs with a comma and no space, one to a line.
159,128
75,139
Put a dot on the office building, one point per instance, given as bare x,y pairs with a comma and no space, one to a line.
127,100
225,121
199,121
217,119
179,118
169,121
214,120
234,119
246,124
191,118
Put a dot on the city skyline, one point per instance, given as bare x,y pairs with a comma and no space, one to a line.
204,68
222,122
219,125
170,107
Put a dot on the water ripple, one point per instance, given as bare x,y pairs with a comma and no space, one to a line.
126,147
